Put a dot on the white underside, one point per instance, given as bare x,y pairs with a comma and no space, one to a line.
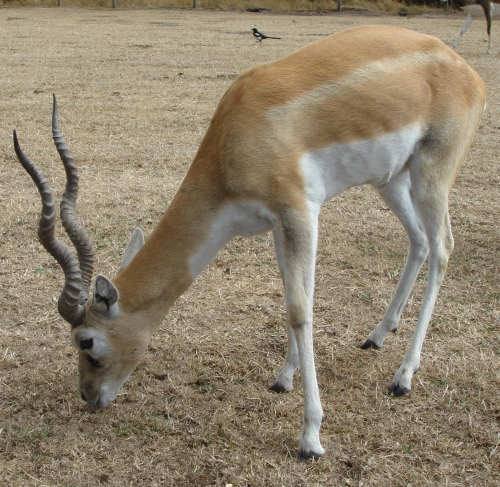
330,171
327,172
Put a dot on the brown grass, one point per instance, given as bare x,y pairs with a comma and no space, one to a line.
136,91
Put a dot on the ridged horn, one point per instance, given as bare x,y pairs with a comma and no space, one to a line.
75,232
75,292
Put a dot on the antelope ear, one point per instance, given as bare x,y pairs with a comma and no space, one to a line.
135,243
105,293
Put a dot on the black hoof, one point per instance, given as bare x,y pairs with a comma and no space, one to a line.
397,390
277,387
309,455
370,344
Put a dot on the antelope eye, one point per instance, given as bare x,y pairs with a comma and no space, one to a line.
87,344
92,361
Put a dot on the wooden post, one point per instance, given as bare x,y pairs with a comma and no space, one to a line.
195,2
339,5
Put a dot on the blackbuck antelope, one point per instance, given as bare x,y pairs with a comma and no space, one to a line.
476,8
371,105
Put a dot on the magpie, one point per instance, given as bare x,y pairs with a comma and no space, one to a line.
259,35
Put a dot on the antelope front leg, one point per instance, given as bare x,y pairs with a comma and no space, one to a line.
296,250
284,379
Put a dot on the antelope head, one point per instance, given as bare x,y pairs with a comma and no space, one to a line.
109,347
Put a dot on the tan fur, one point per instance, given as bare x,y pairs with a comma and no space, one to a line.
275,112
354,86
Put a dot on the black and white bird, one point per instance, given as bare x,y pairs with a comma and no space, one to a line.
259,35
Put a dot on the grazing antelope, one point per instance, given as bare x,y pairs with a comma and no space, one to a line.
476,8
287,136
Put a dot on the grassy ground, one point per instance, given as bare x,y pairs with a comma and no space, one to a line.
136,91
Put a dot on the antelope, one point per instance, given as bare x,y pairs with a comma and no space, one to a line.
476,8
287,136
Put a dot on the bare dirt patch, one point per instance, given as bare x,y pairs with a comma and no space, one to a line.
136,91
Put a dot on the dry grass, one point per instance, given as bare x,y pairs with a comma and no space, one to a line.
136,91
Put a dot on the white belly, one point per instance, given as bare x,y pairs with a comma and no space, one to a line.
331,170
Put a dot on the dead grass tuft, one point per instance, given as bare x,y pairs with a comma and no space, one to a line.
136,91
